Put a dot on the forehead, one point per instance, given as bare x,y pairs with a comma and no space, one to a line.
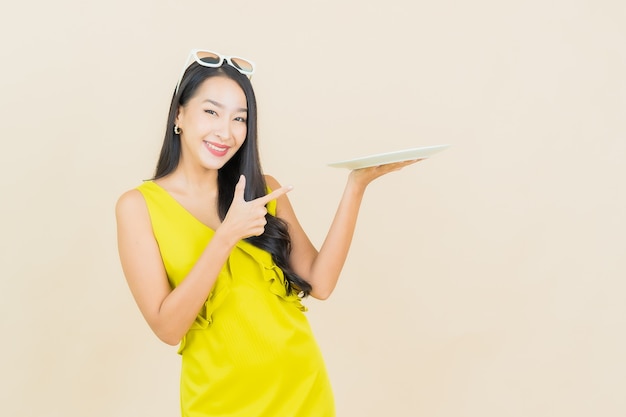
222,89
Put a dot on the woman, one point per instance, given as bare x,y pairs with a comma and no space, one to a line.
217,261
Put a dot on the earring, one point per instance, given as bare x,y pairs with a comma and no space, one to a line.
177,130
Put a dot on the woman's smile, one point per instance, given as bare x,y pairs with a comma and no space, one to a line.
216,149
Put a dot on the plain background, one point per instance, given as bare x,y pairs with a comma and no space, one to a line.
485,281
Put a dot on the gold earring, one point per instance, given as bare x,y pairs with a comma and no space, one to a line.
177,130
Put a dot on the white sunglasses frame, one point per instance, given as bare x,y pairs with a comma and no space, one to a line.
194,54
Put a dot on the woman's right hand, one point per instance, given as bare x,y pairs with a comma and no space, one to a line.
247,218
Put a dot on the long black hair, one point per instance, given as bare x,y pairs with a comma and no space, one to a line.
246,161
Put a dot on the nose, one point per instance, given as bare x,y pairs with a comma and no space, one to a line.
222,129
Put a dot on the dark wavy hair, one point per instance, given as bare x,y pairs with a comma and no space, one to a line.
246,161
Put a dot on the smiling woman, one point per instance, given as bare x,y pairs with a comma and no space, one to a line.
218,262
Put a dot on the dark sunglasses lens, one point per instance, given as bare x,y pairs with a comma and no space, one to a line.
209,57
242,65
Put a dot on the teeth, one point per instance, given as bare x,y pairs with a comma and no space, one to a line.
216,147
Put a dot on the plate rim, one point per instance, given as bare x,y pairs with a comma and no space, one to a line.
364,159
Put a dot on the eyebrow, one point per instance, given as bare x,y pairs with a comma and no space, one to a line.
221,106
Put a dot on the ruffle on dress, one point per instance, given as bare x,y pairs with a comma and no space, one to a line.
205,317
272,275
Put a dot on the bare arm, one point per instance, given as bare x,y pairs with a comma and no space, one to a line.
321,269
170,312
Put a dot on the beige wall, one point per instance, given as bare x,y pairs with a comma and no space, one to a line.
487,281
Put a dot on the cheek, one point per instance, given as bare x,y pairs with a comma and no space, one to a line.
241,132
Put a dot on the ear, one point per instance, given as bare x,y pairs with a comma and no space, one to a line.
179,116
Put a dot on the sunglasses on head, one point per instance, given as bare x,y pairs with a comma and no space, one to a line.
213,60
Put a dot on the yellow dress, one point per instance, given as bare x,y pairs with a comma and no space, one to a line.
250,351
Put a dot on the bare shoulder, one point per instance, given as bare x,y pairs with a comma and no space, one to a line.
272,182
131,203
133,217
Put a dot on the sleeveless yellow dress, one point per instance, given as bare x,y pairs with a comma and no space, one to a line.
250,351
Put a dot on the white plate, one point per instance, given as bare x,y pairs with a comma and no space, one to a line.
389,157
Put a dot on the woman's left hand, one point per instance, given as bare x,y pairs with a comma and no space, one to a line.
364,176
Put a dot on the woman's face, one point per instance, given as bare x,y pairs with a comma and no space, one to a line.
213,123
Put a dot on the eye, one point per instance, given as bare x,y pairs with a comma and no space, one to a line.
240,119
209,111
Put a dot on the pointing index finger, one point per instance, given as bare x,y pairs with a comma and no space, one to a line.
275,194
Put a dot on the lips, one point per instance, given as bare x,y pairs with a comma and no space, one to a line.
216,149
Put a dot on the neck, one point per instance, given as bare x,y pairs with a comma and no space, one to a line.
187,179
